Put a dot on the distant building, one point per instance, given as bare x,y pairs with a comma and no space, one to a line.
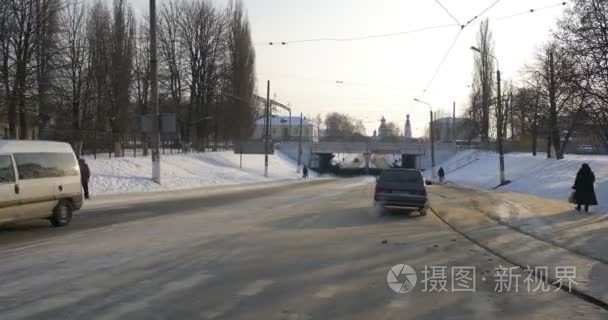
383,131
407,131
282,129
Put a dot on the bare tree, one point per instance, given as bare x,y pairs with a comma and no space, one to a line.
66,65
343,127
73,64
141,74
98,38
484,76
526,108
5,65
172,55
394,131
555,71
583,33
47,51
242,69
122,47
22,26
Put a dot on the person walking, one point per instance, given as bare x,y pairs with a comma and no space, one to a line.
584,193
305,172
85,174
441,174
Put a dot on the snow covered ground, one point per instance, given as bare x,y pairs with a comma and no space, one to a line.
548,178
184,171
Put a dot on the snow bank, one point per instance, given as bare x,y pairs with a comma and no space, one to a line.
538,175
183,171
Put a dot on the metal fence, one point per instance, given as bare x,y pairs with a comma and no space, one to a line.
107,144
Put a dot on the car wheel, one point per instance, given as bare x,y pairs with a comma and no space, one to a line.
423,211
62,214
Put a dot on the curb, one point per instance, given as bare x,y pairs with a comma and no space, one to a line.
549,280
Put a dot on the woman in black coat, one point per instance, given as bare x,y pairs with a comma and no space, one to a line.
583,186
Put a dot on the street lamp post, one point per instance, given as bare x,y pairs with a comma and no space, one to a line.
499,120
431,136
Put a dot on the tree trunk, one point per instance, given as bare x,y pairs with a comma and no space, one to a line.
534,137
23,126
76,130
549,146
553,125
13,118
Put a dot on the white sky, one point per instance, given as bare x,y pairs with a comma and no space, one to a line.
382,76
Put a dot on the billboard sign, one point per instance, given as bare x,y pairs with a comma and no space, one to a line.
252,147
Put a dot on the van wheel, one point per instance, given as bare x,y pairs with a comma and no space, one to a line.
62,214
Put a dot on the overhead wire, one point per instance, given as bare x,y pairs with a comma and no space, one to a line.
346,83
394,34
448,12
454,42
445,57
357,38
482,12
533,10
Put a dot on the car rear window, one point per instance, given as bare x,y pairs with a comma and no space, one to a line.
401,176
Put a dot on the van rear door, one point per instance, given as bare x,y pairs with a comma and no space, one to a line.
8,189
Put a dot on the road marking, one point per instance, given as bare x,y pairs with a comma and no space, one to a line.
400,303
46,304
169,288
327,292
251,290
255,288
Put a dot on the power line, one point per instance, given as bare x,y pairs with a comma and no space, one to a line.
482,12
442,61
534,10
462,27
357,38
449,13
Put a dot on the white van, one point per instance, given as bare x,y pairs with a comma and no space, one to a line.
38,180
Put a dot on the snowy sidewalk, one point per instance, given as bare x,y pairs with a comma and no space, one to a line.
531,231
186,171
556,222
539,176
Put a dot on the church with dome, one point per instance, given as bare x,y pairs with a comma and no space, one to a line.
382,134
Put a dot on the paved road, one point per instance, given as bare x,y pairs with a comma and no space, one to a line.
307,251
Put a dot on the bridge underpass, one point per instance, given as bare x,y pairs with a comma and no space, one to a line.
322,152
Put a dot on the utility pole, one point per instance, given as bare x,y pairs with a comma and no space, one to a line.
154,96
431,135
268,124
300,144
499,120
501,155
454,122
432,144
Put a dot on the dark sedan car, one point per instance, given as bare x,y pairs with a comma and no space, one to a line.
402,188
